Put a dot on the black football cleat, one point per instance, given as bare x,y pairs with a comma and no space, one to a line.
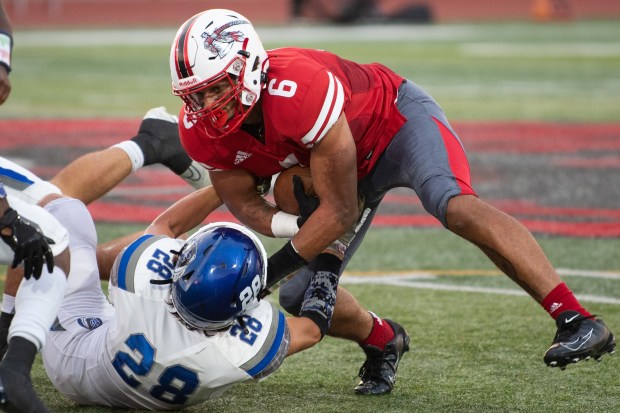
17,394
378,373
579,338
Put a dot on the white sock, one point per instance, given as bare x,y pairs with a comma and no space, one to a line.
134,152
36,306
8,304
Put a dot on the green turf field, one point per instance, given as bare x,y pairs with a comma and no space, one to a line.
475,351
566,72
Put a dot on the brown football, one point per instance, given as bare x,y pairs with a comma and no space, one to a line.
283,188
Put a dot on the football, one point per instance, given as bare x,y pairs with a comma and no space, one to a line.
283,188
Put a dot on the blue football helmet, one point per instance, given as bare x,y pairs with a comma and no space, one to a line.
220,271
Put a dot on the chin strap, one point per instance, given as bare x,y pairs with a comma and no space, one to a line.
243,325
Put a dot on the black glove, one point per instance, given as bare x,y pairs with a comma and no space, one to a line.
307,203
28,243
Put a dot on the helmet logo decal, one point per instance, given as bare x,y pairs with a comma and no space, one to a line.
90,323
220,41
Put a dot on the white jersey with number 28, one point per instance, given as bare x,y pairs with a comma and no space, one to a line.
139,355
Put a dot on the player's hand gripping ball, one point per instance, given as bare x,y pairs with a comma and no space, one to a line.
283,188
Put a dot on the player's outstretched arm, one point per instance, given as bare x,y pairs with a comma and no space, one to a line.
183,216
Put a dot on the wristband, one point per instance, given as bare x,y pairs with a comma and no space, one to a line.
8,305
284,225
2,191
6,45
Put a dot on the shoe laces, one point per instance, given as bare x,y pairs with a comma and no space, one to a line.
371,369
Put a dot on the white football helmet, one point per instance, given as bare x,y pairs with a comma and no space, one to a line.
212,46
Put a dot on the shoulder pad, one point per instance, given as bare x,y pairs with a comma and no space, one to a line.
147,258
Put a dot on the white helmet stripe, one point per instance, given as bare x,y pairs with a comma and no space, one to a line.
330,112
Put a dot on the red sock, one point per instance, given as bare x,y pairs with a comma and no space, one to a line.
561,299
381,333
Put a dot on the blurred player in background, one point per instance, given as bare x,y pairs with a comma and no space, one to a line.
363,130
6,47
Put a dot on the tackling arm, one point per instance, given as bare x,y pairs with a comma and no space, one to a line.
183,216
186,214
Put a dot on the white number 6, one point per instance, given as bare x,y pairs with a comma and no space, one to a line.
286,88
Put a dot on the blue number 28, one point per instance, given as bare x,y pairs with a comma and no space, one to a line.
141,367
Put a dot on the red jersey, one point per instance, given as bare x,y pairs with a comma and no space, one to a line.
307,91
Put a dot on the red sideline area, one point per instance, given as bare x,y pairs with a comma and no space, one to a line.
47,145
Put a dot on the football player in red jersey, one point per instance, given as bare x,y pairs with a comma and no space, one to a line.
363,130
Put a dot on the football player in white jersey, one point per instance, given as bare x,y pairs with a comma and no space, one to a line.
32,235
29,306
180,331
87,178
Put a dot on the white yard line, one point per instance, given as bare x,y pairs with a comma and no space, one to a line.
412,279
541,50
463,272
